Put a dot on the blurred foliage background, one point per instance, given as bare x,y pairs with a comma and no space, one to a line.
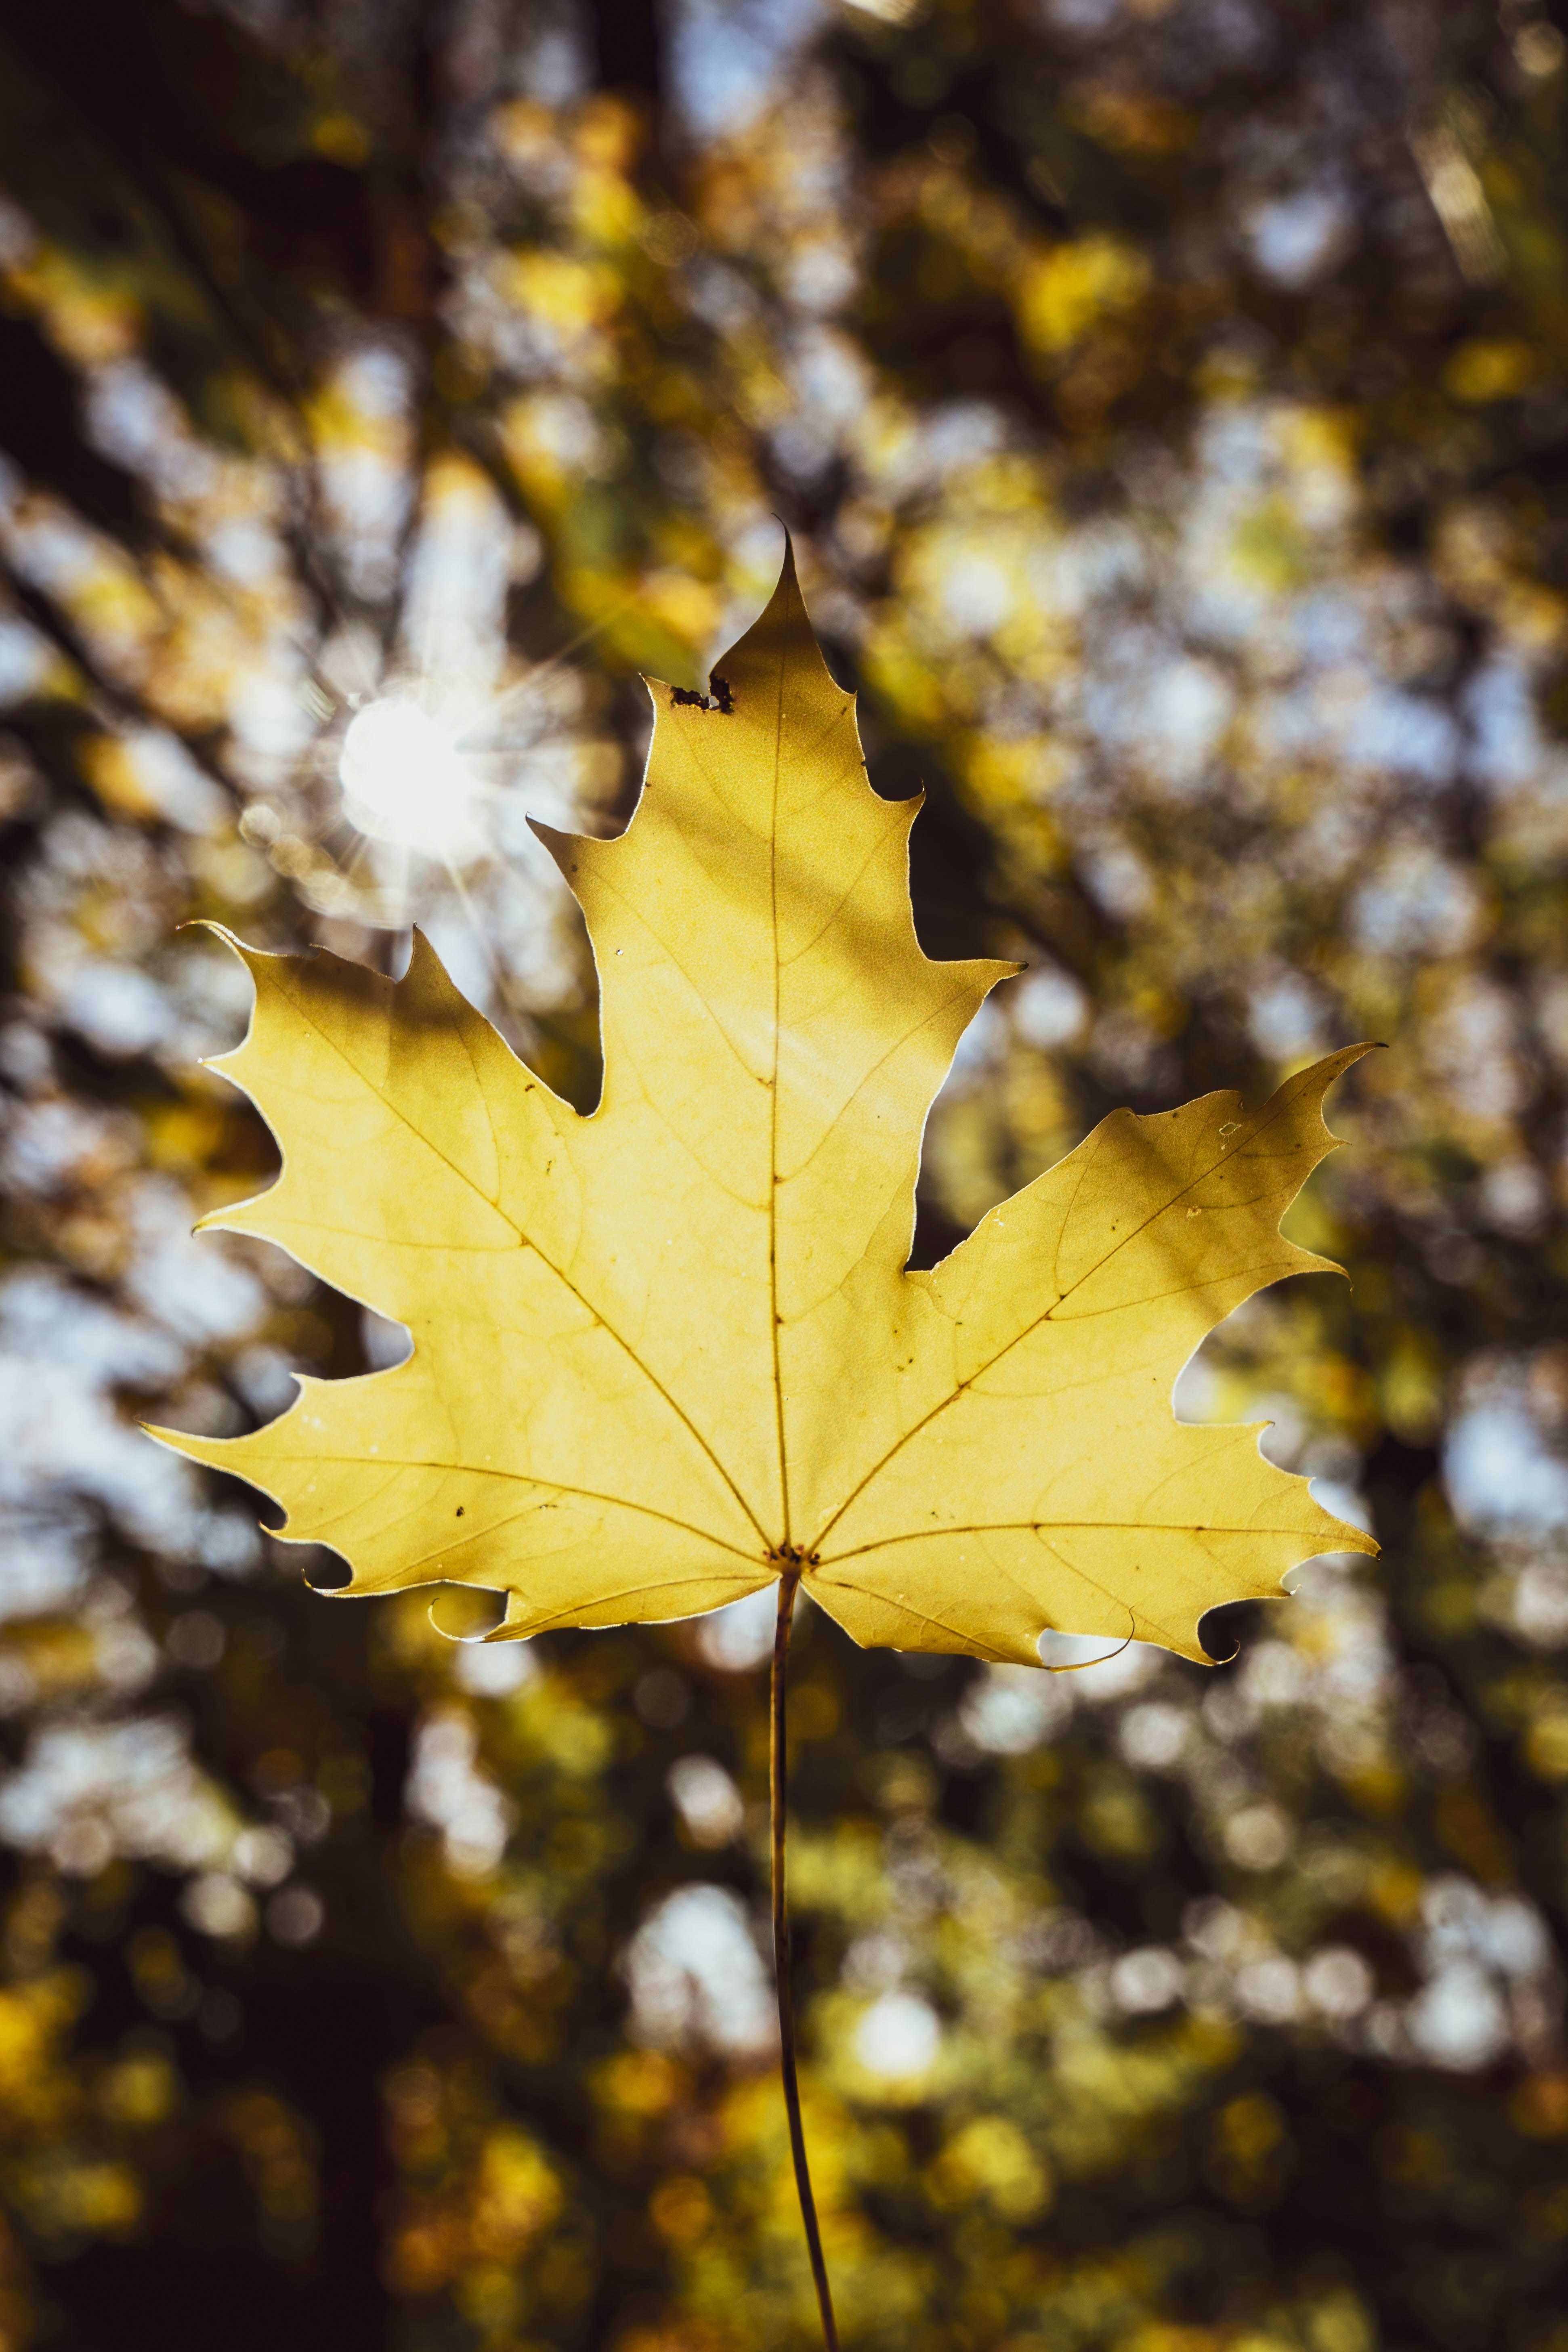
1170,401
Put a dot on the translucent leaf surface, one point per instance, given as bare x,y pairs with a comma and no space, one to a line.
665,1350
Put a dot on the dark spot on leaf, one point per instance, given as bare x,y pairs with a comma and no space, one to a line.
721,699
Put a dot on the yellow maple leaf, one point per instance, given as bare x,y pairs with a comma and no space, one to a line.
670,1353
666,1351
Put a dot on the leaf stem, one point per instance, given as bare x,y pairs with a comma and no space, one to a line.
788,1582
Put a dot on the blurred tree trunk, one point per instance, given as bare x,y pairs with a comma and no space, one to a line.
628,40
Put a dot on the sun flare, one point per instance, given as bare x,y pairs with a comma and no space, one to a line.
405,782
